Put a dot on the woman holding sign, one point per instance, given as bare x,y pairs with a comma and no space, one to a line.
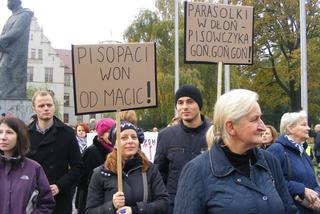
234,176
143,188
94,156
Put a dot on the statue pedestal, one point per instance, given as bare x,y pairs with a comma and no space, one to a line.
20,108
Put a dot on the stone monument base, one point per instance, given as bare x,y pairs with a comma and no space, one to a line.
20,108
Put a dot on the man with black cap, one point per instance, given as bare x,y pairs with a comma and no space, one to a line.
180,143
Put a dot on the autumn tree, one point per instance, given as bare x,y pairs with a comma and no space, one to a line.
275,74
158,26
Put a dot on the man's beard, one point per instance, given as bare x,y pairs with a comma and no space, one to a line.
46,118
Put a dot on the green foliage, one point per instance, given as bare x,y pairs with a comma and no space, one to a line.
158,27
275,74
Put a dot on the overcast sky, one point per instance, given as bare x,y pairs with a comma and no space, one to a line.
67,22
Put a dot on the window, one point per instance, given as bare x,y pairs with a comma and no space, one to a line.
48,75
40,54
30,74
67,80
33,53
66,100
66,118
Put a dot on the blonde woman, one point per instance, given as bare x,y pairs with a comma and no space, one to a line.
234,176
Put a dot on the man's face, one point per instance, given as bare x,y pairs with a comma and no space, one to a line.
44,107
12,4
188,109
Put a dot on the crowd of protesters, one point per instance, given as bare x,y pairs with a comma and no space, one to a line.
234,164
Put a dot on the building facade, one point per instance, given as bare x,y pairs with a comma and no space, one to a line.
51,69
69,112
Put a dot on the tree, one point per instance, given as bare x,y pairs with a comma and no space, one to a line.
158,27
275,74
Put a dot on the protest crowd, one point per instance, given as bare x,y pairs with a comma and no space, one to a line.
233,163
230,163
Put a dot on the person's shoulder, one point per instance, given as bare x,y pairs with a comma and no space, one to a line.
98,169
152,167
32,126
169,132
169,129
275,147
63,127
101,171
92,149
32,163
25,12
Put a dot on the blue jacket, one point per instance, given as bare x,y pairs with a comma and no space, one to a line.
210,184
301,169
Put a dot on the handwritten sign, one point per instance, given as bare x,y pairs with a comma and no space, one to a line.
149,144
108,77
218,33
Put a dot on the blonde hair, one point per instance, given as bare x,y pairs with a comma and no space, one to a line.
129,116
290,119
41,93
232,105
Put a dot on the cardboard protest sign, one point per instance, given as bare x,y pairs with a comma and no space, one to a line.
218,33
149,144
109,77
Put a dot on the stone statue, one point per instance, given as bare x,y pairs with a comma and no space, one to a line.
14,41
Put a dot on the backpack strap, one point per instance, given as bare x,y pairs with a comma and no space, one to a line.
145,187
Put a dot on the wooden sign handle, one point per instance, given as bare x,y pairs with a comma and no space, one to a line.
118,146
219,82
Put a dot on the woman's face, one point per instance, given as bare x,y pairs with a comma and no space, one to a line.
129,143
267,136
300,131
8,139
247,130
81,132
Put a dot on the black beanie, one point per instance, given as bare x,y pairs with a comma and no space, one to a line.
189,91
